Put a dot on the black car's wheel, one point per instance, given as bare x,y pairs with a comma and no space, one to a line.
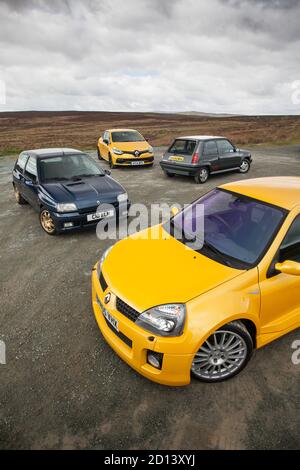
244,166
112,166
19,198
99,154
47,222
170,175
202,176
224,354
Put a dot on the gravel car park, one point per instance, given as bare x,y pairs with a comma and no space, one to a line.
62,387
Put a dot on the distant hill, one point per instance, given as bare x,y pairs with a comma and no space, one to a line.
198,113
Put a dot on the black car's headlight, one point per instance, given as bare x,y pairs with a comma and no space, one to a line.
164,320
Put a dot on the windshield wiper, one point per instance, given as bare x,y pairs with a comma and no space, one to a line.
88,175
56,178
217,252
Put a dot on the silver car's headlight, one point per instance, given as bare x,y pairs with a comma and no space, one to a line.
122,197
117,151
164,320
67,207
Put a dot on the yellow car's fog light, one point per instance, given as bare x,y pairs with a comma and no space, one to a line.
165,320
155,359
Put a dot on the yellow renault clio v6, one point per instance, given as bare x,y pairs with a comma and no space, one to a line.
124,147
171,309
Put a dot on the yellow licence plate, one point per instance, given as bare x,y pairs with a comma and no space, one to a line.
176,159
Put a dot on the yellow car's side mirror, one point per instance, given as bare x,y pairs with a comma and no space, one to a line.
288,267
174,211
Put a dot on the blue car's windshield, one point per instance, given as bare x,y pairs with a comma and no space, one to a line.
231,227
67,167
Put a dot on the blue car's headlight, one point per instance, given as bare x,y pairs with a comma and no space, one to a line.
66,207
122,197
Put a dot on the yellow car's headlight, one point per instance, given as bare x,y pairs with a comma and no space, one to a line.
102,259
163,320
117,151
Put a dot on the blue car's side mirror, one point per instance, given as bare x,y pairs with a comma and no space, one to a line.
107,172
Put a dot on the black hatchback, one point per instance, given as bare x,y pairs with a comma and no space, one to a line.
201,156
67,188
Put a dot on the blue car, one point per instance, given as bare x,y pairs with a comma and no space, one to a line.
67,188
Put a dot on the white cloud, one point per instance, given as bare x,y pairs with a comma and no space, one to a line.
233,56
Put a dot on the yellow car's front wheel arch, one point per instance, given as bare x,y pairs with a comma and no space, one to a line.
224,353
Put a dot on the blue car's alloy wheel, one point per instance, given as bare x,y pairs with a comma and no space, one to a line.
47,222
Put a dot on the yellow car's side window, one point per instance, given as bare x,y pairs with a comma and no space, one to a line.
290,247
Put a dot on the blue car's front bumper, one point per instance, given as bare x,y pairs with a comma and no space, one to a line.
65,222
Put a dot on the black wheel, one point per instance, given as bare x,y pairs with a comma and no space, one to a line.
20,200
47,222
244,166
170,175
112,166
224,354
99,154
202,176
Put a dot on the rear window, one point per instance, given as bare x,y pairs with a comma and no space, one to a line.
186,147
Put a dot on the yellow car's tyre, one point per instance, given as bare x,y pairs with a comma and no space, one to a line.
20,200
47,222
112,166
224,354
99,154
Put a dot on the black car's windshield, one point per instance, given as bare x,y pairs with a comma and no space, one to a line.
68,167
183,146
127,136
232,228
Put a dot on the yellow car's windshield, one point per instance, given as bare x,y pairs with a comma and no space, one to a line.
127,136
234,229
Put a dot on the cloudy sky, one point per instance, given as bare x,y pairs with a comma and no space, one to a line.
228,56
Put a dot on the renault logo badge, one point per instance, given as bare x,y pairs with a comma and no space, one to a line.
107,298
136,153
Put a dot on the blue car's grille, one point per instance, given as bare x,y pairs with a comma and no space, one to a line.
93,209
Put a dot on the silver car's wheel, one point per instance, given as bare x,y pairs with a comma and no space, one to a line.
245,166
224,354
202,176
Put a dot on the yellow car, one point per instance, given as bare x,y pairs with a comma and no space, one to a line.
174,301
124,147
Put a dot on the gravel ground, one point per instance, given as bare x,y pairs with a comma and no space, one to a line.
63,387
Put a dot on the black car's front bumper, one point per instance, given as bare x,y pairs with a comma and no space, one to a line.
178,168
65,222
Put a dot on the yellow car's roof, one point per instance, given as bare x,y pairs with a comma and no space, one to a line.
122,130
283,191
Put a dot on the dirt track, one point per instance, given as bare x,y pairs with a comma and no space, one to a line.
63,387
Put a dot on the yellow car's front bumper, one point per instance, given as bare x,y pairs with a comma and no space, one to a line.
132,343
127,159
